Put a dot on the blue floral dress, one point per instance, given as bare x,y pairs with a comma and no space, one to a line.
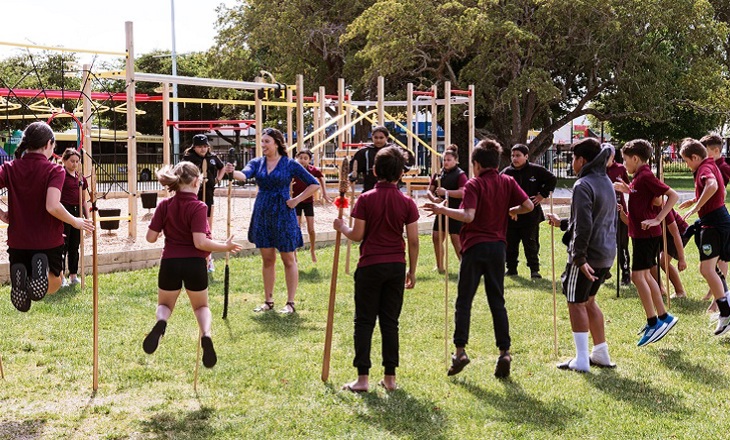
273,224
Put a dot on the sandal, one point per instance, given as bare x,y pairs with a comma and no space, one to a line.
458,363
265,307
288,308
501,370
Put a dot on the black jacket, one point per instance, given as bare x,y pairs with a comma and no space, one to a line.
533,179
214,164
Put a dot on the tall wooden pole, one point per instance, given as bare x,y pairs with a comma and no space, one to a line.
95,278
300,112
131,132
381,101
85,163
472,112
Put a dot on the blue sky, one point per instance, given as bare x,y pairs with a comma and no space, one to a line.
99,24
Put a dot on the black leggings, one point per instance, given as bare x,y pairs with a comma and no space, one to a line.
71,242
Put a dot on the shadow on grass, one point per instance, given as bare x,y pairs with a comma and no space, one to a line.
282,325
639,394
517,407
181,424
27,429
693,306
692,371
401,414
66,293
545,283
311,275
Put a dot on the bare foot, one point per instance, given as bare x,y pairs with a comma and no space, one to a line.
314,256
388,382
356,387
707,297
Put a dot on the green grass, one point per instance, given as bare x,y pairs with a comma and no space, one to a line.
266,384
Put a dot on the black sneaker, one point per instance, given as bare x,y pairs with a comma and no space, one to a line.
535,275
608,275
458,364
626,280
209,356
511,273
38,281
501,370
19,290
152,340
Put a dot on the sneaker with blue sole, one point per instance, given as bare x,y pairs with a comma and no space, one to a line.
670,321
651,332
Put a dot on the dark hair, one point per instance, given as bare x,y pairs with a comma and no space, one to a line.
278,138
712,140
487,153
35,137
522,148
587,148
380,129
70,152
691,147
638,147
389,164
184,173
304,151
453,151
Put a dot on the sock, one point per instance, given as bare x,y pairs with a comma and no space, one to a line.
663,316
723,306
581,351
600,354
652,321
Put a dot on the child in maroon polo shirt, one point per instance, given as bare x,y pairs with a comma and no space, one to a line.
617,173
714,235
489,199
306,207
646,234
70,200
183,219
35,216
380,215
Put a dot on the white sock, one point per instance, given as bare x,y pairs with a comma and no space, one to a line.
600,354
581,351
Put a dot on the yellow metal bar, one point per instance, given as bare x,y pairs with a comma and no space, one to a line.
389,116
343,129
323,127
61,49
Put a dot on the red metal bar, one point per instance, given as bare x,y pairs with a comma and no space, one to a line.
306,98
238,124
70,94
461,92
422,93
355,145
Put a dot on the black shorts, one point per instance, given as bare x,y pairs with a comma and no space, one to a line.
209,205
709,243
577,288
645,252
672,249
454,225
174,272
24,256
306,208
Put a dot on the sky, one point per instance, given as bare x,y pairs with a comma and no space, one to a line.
99,24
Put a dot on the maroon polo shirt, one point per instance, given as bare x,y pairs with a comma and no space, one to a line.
299,185
70,191
27,180
674,217
645,187
179,217
614,172
385,211
491,195
708,169
724,170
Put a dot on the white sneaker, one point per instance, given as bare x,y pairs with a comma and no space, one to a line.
74,281
723,325
65,283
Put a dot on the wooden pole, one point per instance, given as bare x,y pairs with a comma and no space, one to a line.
472,112
165,129
447,114
2,372
259,117
446,283
131,132
289,119
381,101
300,112
95,278
85,164
344,171
555,292
434,129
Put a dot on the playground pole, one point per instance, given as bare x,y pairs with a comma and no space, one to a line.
472,109
381,101
447,114
300,112
131,131
85,159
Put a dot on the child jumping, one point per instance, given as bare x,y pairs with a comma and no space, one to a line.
489,200
307,206
713,237
646,234
183,219
35,216
380,215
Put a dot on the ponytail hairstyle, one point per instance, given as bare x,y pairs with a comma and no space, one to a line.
278,138
35,137
182,174
70,152
453,151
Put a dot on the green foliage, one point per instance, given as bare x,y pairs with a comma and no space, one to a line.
266,383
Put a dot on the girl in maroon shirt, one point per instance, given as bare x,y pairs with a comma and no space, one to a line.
183,219
35,217
70,200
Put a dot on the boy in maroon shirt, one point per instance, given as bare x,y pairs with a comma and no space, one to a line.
617,173
380,215
646,234
714,235
489,200
184,221
35,216
306,206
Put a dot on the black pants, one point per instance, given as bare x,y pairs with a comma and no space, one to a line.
624,259
378,295
487,260
71,242
529,235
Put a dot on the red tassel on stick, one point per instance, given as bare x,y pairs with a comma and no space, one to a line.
342,201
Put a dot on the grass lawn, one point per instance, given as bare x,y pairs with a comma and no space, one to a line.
266,384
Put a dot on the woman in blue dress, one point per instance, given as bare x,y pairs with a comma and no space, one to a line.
274,225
